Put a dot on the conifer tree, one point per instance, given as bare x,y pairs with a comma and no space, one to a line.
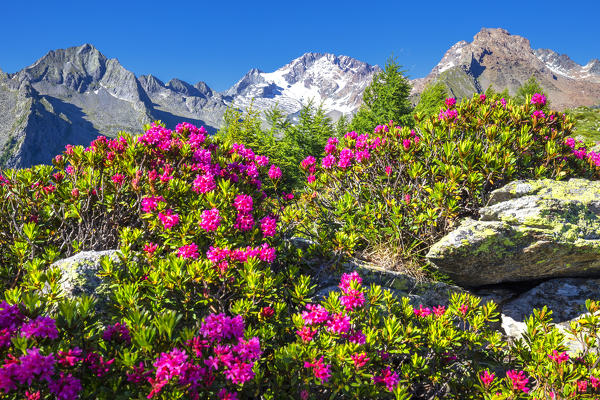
529,88
385,99
432,99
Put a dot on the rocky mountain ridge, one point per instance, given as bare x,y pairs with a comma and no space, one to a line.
501,60
72,95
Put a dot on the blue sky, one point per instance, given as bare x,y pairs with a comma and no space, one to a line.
219,41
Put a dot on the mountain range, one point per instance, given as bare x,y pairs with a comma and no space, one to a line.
73,95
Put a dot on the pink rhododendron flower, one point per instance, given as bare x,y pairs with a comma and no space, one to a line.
463,309
262,160
439,311
539,114
188,251
268,225
243,203
359,359
316,314
538,99
311,178
274,172
217,327
328,161
339,323
422,311
559,358
117,333
582,386
308,161
486,378
41,327
204,183
320,370
357,337
362,156
450,102
306,334
518,380
210,220
168,219
331,146
482,97
388,170
448,114
388,378
149,204
70,357
66,387
346,279
150,248
244,222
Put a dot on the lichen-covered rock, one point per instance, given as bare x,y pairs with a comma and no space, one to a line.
80,275
530,230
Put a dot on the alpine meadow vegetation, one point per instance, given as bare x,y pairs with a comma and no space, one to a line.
208,297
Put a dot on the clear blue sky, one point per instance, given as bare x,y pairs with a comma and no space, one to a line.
218,41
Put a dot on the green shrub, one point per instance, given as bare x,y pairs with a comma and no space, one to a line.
406,188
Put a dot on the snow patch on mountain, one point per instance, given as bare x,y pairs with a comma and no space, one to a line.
335,82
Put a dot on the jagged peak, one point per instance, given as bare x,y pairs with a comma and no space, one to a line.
203,88
499,35
182,87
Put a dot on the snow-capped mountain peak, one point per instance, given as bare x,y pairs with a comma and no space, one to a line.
337,82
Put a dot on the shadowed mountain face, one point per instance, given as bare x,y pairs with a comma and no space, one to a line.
497,58
72,95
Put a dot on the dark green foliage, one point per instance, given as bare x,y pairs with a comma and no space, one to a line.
491,92
529,88
385,99
432,99
285,144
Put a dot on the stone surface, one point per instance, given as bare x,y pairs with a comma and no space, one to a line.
564,297
80,275
530,230
426,293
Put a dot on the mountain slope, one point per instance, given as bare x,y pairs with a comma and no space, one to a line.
337,82
497,58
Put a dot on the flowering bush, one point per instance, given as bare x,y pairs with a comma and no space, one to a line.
206,298
406,188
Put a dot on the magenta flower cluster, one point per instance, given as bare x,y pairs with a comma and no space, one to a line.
34,367
220,349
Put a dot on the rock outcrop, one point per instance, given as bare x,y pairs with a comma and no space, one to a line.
80,275
530,230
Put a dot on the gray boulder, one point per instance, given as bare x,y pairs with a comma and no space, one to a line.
530,230
80,275
428,293
564,297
